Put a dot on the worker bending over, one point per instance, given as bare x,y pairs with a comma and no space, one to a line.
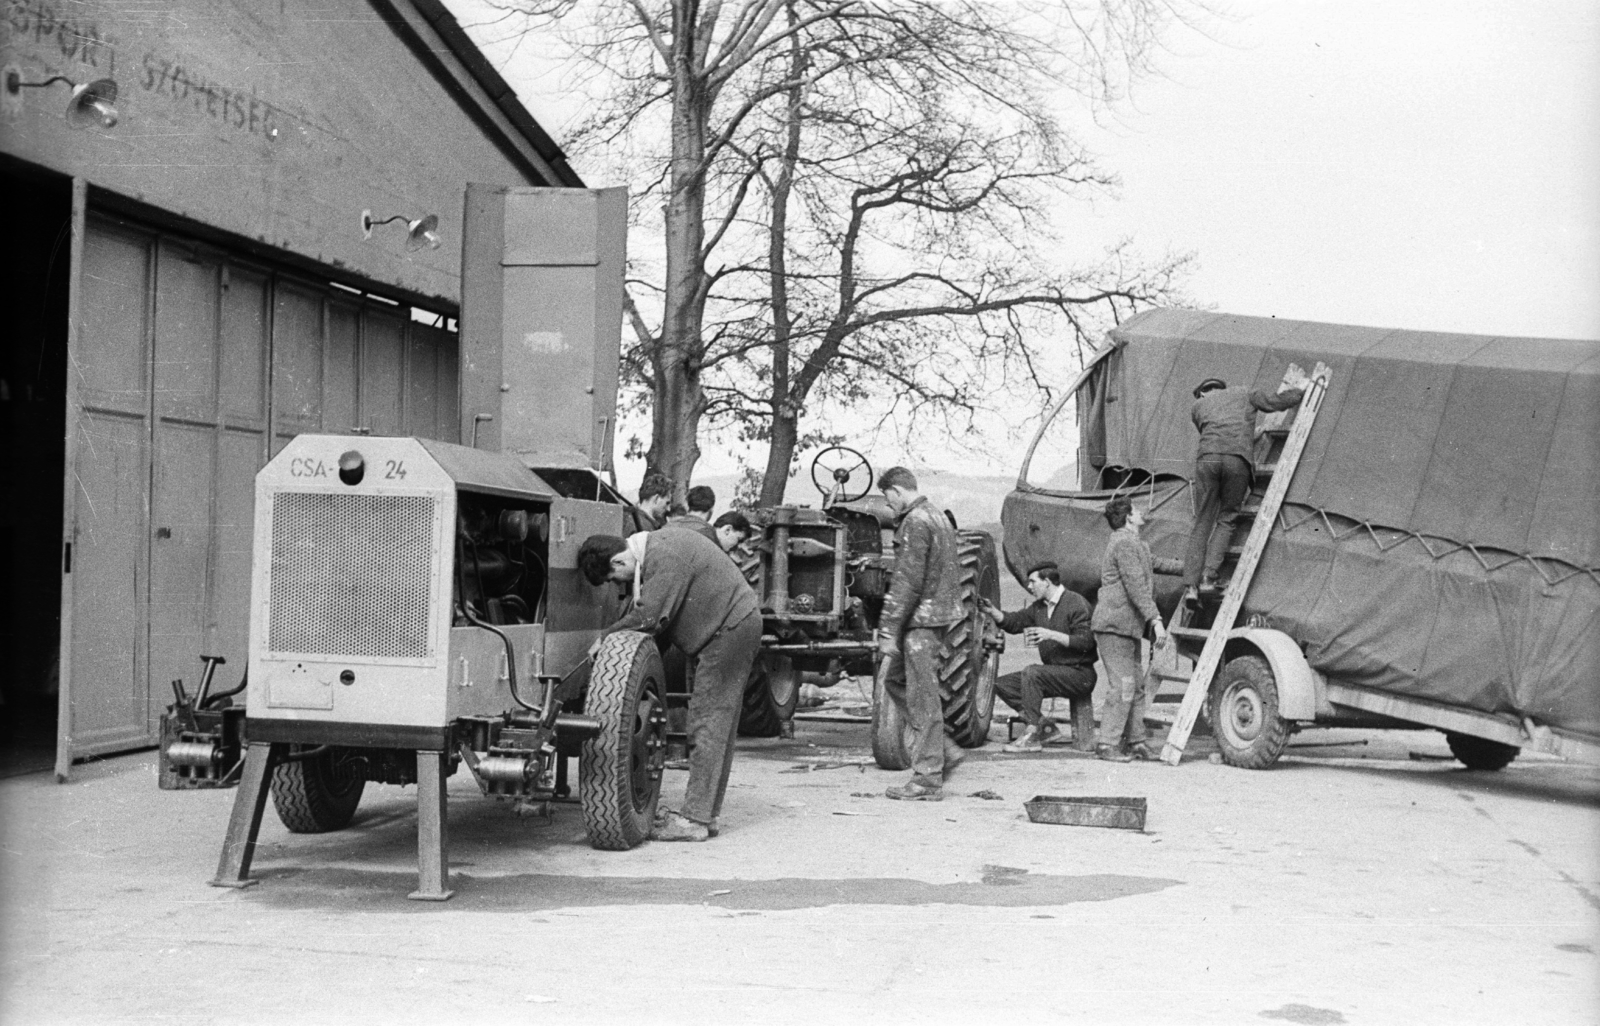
1058,622
1224,468
687,591
924,598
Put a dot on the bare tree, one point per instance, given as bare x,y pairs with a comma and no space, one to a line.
848,194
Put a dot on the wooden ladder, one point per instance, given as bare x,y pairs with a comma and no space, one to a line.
1215,637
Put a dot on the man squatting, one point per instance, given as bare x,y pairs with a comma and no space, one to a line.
689,593
1058,622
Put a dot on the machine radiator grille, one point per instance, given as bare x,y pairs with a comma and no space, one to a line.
350,574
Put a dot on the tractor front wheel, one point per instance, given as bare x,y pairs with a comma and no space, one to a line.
319,794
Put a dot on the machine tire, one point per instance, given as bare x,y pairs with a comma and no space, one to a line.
968,667
891,736
770,697
619,772
1479,753
317,795
1243,706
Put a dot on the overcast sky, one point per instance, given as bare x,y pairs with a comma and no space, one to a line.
1429,165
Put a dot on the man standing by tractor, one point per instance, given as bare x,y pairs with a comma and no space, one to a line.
698,516
655,496
687,591
1224,468
1058,623
924,598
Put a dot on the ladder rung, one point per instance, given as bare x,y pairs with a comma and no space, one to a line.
1167,699
1281,432
1164,675
1189,632
1266,469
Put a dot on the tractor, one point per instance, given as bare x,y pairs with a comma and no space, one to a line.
821,576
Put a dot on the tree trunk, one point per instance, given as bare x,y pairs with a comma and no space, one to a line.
780,451
679,397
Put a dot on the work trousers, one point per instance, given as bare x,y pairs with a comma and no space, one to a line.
1129,691
721,670
1026,691
1221,484
912,682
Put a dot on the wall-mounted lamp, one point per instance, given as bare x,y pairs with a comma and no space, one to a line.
91,103
423,232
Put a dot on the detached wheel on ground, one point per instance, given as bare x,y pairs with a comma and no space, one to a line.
619,771
769,697
1243,706
891,735
318,794
1479,753
968,667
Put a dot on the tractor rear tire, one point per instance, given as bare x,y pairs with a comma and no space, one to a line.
770,696
619,771
1243,704
1479,753
891,735
317,795
967,666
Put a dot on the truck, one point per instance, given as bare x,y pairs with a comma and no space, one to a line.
820,577
416,605
1436,562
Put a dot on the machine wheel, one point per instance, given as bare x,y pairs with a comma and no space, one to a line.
891,736
769,697
319,794
619,772
968,667
1479,753
1244,714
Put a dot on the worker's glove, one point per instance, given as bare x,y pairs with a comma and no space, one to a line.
888,644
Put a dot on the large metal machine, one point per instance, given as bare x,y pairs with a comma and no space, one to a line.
821,576
416,605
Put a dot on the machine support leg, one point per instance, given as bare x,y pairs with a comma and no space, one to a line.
239,847
433,866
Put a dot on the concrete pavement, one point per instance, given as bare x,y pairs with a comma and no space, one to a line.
1351,884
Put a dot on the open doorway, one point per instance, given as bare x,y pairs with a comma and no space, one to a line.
33,369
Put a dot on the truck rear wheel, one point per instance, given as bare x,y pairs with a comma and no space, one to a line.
619,771
1244,714
1479,753
891,736
969,667
320,794
769,697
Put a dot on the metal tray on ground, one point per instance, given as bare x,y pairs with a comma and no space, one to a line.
1121,813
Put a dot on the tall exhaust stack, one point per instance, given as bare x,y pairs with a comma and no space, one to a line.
541,322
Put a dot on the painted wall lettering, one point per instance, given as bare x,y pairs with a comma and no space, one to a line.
77,39
245,112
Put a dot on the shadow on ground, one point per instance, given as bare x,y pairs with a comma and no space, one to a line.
351,889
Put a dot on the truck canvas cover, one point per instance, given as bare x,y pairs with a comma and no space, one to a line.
1440,539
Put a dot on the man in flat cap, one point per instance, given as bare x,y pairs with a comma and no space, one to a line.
1224,468
1057,621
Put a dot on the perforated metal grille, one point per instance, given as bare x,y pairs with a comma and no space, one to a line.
350,574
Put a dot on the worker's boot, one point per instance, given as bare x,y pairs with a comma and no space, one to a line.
911,791
1030,741
1148,750
678,827
1111,753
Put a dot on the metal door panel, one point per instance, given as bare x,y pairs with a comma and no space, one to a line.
185,334
576,609
382,373
110,363
422,409
183,479
109,706
447,359
341,410
242,390
296,362
228,628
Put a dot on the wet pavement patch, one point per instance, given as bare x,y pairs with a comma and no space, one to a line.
347,889
1305,1015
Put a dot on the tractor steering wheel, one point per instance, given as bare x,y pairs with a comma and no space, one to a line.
835,469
